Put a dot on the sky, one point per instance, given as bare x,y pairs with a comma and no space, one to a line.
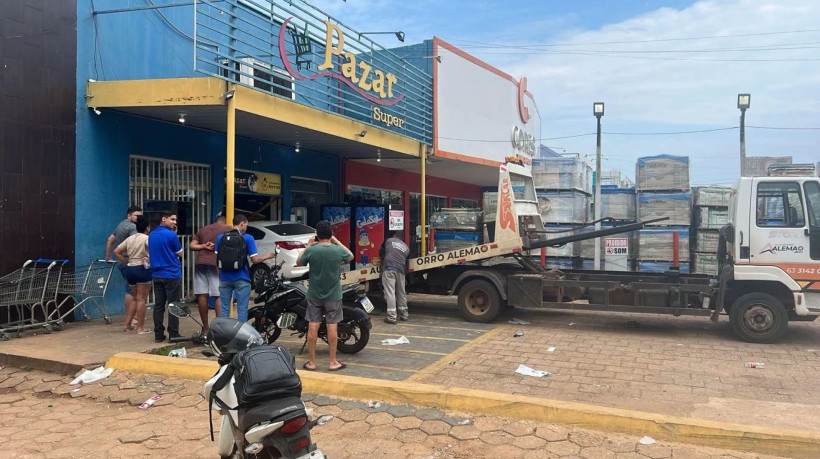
663,69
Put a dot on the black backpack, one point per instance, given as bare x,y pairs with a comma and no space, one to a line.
263,373
233,251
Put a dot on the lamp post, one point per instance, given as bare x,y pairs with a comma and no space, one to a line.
598,111
743,101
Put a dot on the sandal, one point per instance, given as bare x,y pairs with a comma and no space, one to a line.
305,367
342,366
147,330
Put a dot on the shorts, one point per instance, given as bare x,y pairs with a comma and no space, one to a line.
121,267
137,275
331,310
206,280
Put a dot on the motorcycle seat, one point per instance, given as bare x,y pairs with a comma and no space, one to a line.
279,409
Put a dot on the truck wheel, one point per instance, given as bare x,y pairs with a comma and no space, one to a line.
479,301
758,318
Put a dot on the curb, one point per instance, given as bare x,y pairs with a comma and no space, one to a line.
792,443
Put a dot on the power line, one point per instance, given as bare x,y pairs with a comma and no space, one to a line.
650,40
696,131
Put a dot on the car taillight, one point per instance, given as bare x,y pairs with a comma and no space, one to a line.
290,245
299,444
293,425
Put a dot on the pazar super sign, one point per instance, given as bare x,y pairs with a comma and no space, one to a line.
357,71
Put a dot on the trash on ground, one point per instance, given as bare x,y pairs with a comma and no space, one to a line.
755,364
90,376
150,402
49,406
75,390
465,422
178,353
571,324
374,404
518,335
551,349
451,363
518,322
395,341
527,371
647,440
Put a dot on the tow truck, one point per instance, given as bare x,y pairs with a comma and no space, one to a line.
769,264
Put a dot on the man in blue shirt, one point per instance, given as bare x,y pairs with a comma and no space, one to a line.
164,253
237,282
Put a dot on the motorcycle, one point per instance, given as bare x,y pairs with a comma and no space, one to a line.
272,426
283,305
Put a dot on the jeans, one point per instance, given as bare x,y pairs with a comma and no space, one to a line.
241,290
165,291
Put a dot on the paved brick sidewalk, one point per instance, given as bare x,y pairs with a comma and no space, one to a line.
42,416
684,366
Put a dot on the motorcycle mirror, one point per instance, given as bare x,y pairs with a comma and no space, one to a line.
207,353
277,250
180,310
324,419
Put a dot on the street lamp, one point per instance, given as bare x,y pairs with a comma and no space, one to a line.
598,111
399,35
743,101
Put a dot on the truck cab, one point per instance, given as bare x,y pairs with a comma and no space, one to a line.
773,239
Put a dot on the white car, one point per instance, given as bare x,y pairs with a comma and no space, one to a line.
291,239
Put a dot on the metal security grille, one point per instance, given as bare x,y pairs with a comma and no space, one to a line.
155,184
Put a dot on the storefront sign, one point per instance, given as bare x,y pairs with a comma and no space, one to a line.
523,141
374,84
257,182
396,220
387,119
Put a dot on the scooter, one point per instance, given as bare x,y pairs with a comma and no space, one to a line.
273,426
283,305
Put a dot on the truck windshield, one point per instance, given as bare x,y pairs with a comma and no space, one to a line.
779,204
813,203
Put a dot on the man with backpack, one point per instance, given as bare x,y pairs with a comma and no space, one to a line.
232,251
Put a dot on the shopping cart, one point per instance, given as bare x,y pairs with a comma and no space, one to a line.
82,285
26,291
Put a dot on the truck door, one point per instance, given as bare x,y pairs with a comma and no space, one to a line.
812,189
780,235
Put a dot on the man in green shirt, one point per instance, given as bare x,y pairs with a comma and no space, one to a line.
324,256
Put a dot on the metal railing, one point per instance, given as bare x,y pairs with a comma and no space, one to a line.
278,46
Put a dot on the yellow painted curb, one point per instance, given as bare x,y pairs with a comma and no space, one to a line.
787,442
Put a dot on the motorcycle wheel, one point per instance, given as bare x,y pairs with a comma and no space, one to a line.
268,329
352,338
268,453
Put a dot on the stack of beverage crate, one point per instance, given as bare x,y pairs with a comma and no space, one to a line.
662,184
619,204
563,187
710,213
455,228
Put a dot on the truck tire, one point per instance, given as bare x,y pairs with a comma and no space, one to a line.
758,318
479,301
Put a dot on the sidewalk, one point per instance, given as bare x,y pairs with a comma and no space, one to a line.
674,378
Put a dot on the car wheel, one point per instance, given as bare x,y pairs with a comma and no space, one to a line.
259,272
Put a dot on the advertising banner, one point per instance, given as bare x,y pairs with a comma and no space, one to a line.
257,182
369,233
339,217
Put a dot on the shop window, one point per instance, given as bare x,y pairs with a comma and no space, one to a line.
459,203
374,196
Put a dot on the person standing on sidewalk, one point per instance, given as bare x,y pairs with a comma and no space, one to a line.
232,251
165,251
324,257
206,276
125,229
134,253
394,253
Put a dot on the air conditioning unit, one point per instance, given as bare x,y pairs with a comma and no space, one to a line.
257,74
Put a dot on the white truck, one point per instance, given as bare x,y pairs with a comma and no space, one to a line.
769,264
